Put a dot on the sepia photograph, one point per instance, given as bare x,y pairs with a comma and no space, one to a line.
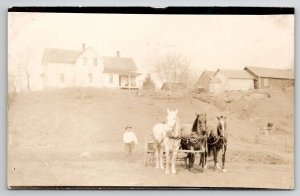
152,101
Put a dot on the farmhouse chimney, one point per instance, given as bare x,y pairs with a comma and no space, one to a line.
83,46
118,53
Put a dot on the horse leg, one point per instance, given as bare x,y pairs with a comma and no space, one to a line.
205,154
173,162
187,158
215,152
192,160
223,160
201,162
205,159
167,153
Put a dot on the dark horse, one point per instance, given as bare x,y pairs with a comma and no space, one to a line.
217,142
196,140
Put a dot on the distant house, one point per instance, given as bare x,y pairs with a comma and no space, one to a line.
85,68
226,80
203,81
271,78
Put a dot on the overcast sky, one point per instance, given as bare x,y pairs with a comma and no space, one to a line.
207,41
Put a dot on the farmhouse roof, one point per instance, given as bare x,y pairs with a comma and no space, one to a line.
271,73
54,55
119,64
235,74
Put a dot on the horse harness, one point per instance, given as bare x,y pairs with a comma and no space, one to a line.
170,136
218,138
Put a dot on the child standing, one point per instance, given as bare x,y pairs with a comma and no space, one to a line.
130,140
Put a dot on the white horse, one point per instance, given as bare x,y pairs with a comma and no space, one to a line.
167,135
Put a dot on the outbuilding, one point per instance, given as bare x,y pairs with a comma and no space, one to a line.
203,81
230,80
271,78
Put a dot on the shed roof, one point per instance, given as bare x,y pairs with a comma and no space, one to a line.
235,74
272,73
205,77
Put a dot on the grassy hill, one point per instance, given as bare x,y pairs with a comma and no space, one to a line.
61,125
75,120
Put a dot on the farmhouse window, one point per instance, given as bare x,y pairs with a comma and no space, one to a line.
111,79
90,77
266,82
95,61
62,78
84,60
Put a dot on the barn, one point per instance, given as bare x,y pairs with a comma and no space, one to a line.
203,81
228,80
271,78
85,68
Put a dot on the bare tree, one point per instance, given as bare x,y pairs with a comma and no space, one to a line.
26,67
27,73
11,89
172,69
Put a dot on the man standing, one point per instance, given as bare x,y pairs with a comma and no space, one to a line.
130,140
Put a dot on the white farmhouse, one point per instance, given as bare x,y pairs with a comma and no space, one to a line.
85,68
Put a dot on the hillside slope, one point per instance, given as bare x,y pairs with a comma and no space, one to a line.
87,125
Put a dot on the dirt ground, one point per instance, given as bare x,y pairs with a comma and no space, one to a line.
74,137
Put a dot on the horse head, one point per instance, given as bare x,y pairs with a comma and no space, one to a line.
172,118
200,125
221,128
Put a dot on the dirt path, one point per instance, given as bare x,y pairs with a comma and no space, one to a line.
113,170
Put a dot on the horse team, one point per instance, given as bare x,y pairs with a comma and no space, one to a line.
172,136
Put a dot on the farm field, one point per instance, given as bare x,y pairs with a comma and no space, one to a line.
74,137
